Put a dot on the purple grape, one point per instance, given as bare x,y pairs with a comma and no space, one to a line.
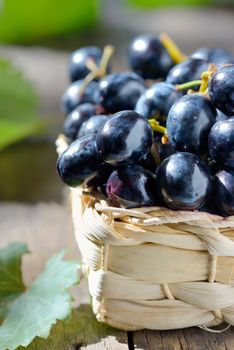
131,187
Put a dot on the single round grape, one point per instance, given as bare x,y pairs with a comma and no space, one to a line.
79,161
189,122
125,137
183,181
92,125
78,61
221,89
157,101
149,58
74,95
223,192
214,55
221,143
76,118
186,71
131,186
120,91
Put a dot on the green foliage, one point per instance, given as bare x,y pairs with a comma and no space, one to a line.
18,101
34,311
11,283
27,20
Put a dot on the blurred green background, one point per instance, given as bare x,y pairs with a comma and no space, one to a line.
35,40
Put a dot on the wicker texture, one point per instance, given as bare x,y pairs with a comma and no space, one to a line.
155,268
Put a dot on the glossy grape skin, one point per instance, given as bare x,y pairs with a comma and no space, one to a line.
189,122
78,59
76,118
157,101
188,70
79,161
92,125
221,143
131,187
148,57
183,181
120,91
221,116
214,55
125,138
72,97
221,89
223,192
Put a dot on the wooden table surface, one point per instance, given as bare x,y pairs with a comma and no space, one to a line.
47,229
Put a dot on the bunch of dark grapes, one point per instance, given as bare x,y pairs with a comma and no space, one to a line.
159,134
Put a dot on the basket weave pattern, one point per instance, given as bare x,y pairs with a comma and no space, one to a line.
156,268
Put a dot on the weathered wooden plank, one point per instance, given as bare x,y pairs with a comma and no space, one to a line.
186,339
82,331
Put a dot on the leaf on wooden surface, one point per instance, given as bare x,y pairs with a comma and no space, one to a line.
37,309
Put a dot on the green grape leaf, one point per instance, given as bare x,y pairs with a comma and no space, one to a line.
11,283
36,310
18,102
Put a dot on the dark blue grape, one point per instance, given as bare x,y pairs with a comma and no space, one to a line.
157,101
184,181
214,55
92,125
221,143
221,116
131,187
78,60
125,137
73,97
188,70
189,122
120,91
221,89
223,192
79,162
76,118
148,57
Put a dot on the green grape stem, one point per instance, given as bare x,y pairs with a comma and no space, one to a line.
174,52
95,71
188,85
157,127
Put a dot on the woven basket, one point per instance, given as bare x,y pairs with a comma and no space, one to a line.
155,268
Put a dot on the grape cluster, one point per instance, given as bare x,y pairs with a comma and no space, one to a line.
161,133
